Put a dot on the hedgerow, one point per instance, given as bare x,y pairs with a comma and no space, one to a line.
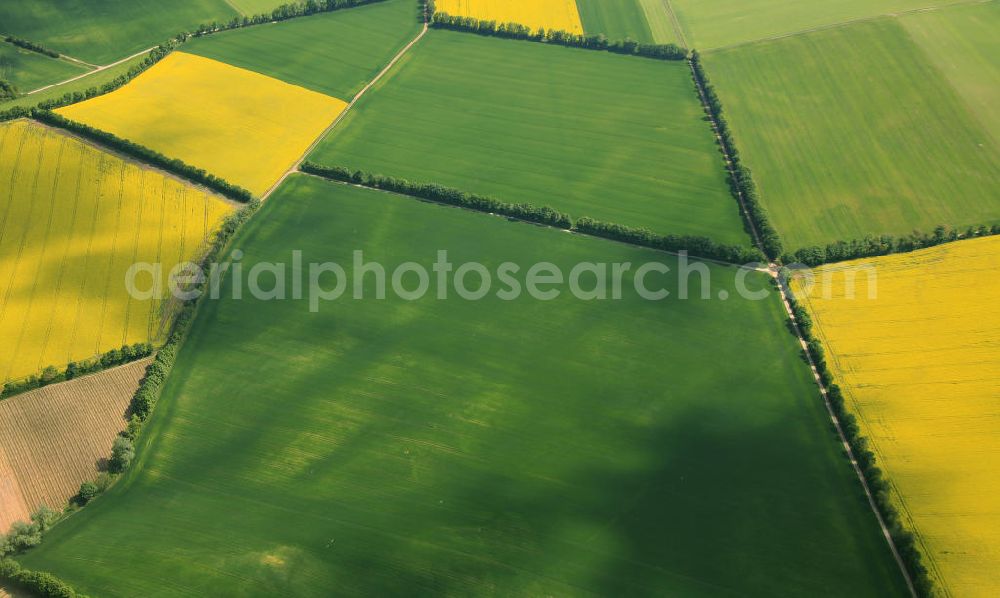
873,246
75,369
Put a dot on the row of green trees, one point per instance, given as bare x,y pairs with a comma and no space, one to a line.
441,194
145,154
74,369
281,13
32,46
442,20
872,246
904,539
694,245
741,179
38,583
697,246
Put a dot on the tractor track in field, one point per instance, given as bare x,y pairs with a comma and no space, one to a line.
340,117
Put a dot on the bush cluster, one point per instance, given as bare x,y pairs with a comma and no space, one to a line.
44,585
145,154
878,485
23,43
443,20
873,246
741,179
51,375
7,90
696,246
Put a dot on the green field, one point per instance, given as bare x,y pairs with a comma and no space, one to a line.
617,138
103,31
853,131
517,447
335,53
963,43
721,23
31,70
256,7
645,21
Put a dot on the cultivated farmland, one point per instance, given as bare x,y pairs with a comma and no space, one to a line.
103,31
240,125
617,138
31,70
722,23
852,131
74,220
94,79
962,42
517,447
646,21
549,14
334,53
920,365
55,437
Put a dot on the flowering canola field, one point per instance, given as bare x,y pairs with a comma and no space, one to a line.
920,365
240,125
74,221
550,14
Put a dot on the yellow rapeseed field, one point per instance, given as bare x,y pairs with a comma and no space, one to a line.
74,219
240,125
920,365
550,14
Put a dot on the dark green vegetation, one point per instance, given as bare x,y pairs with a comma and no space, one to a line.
334,53
620,19
102,31
463,447
853,132
95,80
29,70
617,138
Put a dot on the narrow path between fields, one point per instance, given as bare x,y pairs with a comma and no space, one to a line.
773,270
295,167
96,69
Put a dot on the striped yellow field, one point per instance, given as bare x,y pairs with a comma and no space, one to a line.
921,368
73,219
240,125
550,14
54,437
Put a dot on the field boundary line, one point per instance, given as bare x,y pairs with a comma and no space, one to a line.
847,23
343,113
786,293
765,270
97,69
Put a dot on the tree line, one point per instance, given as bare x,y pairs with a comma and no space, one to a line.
281,13
873,246
75,369
879,486
696,246
741,179
32,46
441,194
442,20
21,537
141,152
